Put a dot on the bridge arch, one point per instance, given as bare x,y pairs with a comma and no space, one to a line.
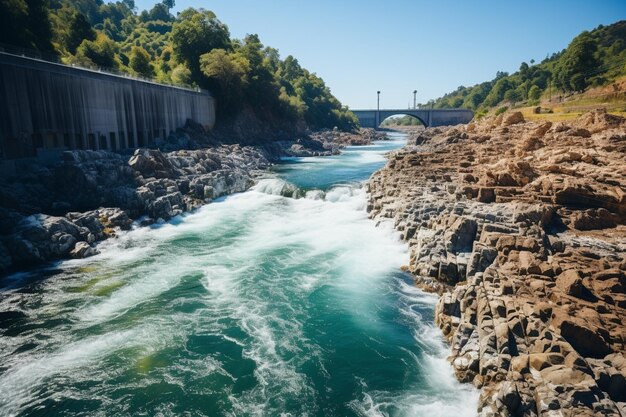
413,116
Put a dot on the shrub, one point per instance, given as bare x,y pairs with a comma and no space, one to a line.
501,110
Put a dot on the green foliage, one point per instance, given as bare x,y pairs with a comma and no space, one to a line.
100,53
501,110
512,96
534,93
577,64
496,95
261,88
25,23
227,73
593,58
160,11
140,62
197,32
80,30
181,75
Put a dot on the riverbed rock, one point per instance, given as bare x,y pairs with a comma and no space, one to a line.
91,195
521,227
83,250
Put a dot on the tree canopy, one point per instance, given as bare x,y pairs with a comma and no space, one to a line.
593,58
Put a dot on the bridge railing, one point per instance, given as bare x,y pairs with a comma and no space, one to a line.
56,59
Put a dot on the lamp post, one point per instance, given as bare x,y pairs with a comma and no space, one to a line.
377,108
414,99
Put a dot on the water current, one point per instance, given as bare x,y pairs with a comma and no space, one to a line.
285,300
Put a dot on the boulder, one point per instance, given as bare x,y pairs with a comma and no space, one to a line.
151,163
513,118
593,219
83,250
571,283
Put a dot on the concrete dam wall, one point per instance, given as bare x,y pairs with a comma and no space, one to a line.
47,107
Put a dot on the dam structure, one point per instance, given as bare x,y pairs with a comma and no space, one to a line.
49,107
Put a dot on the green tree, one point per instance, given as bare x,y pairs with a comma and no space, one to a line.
80,29
290,69
534,93
140,62
25,23
262,88
512,96
496,95
100,52
160,11
227,74
524,71
576,63
195,33
181,75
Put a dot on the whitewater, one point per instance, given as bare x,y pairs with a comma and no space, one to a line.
285,300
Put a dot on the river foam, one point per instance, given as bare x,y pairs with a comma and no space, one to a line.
276,301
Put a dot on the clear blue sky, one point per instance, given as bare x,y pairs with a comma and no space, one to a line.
397,46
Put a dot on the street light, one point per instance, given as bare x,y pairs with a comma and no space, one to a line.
377,108
414,99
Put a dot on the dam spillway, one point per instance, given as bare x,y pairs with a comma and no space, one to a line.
48,107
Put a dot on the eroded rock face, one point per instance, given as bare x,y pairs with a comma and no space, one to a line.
520,227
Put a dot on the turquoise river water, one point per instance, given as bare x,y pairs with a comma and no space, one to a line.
284,300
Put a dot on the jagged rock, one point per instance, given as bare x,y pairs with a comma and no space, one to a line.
461,234
513,118
151,163
584,340
83,250
90,194
571,283
521,229
593,219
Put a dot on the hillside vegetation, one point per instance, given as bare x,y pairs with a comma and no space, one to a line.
591,62
193,48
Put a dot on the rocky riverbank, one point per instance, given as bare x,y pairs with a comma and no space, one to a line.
521,228
329,142
62,211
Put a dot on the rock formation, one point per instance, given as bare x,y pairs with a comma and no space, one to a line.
329,142
521,229
91,194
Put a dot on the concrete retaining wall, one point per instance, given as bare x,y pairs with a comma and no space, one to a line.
47,106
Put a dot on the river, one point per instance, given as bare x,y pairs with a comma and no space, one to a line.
284,300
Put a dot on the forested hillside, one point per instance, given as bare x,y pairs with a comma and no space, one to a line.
193,48
592,59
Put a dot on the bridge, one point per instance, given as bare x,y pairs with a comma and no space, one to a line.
428,117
